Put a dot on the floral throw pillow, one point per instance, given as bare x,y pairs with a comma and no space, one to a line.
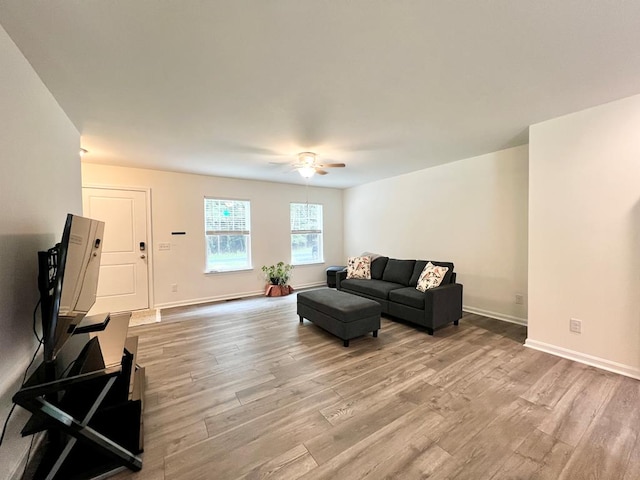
359,267
431,277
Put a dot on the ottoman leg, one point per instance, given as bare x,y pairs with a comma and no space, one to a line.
345,343
300,318
375,333
430,331
455,322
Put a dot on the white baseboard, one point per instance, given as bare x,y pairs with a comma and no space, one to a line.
591,360
302,286
496,315
231,296
215,298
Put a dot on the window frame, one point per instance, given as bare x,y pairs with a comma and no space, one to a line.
319,232
246,233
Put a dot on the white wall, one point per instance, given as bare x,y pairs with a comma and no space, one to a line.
39,184
472,212
584,235
177,201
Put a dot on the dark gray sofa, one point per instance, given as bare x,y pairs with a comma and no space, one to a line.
393,285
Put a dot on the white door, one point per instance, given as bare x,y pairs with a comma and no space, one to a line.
124,278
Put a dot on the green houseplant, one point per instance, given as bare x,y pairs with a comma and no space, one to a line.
277,277
278,274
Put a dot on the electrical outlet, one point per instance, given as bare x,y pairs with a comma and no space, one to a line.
575,325
519,299
164,246
174,287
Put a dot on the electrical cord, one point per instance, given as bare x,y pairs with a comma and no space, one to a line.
24,378
35,354
6,423
35,332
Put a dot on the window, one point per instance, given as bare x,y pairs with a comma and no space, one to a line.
306,233
227,234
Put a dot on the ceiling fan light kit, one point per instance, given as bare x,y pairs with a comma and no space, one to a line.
306,161
307,165
307,172
307,158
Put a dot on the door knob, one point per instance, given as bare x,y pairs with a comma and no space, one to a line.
143,256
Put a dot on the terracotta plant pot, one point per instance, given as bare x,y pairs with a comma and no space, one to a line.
278,290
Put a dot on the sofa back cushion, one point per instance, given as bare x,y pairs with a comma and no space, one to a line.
419,267
398,271
378,265
417,270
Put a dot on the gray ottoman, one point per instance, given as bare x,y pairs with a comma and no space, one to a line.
344,315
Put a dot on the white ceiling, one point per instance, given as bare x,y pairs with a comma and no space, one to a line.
387,87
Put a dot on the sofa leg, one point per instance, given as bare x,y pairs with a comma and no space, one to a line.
430,331
375,333
345,343
455,322
300,318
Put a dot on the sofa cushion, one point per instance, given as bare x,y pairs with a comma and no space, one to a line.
377,267
417,270
408,296
431,277
373,288
398,271
359,267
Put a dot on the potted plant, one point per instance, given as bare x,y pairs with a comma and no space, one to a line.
277,277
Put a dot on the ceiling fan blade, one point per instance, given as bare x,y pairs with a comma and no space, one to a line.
331,165
319,171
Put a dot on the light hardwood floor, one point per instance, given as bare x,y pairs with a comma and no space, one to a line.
241,390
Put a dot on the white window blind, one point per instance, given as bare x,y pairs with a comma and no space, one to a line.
306,233
227,234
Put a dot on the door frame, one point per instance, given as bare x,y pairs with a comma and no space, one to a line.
149,249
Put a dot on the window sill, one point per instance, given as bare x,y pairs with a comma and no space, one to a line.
321,262
218,272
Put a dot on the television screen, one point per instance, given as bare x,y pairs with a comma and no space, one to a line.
72,269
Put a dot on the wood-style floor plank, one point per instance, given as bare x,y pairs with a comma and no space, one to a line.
606,447
539,457
241,390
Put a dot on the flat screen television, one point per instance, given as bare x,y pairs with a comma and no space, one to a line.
68,280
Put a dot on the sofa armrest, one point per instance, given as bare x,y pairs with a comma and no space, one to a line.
443,305
341,275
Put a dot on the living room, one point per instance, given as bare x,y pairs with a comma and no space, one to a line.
554,218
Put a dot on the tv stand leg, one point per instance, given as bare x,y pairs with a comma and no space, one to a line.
79,430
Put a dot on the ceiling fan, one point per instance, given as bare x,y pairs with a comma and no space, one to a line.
308,165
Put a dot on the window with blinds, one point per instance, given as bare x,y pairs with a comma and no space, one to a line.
227,225
306,233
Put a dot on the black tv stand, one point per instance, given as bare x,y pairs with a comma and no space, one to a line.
92,413
93,323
